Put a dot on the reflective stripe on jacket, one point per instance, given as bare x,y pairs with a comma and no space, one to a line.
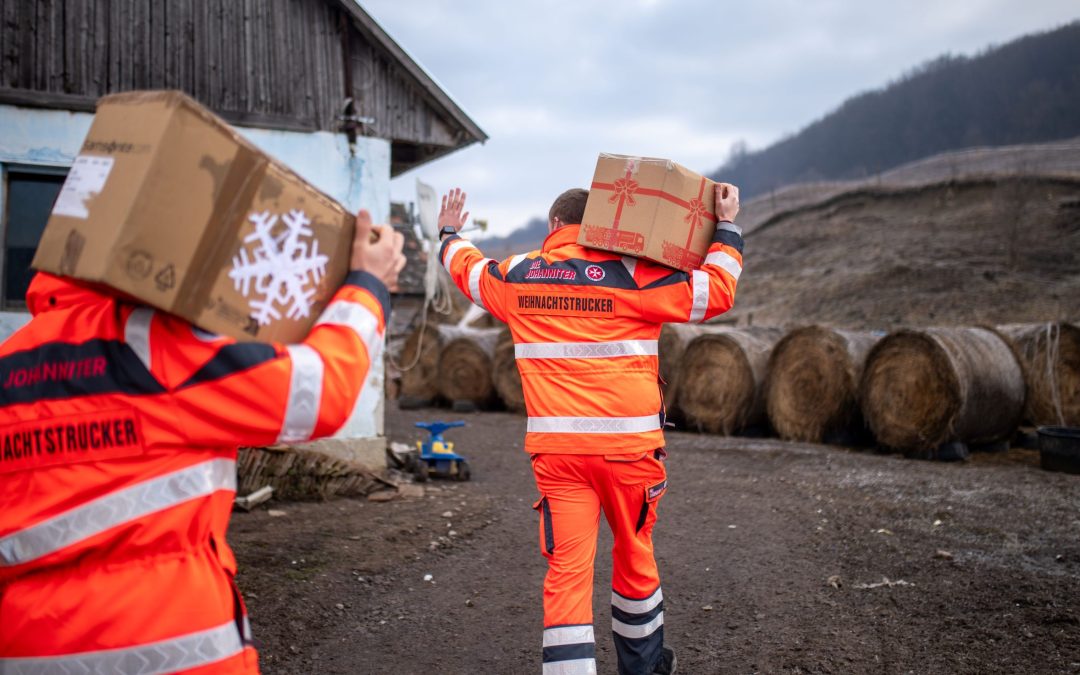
585,324
119,427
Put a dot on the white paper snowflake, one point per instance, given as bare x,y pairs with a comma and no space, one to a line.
282,270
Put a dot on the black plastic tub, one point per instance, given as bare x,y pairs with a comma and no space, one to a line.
1059,449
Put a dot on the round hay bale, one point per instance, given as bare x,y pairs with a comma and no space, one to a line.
465,364
671,346
505,374
1049,355
721,376
420,382
812,385
462,312
922,388
674,337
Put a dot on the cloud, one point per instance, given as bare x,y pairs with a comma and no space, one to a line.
554,83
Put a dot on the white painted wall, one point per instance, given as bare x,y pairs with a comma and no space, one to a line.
357,176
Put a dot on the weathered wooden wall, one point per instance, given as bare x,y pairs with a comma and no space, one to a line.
384,92
277,63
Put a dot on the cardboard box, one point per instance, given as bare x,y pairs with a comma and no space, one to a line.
650,208
168,204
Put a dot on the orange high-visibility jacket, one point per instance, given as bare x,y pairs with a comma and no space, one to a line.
585,325
119,428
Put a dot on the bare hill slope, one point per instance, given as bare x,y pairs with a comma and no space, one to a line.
1061,158
978,250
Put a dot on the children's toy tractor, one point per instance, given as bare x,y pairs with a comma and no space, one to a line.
437,457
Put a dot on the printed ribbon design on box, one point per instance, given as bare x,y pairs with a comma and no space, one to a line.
697,211
626,188
623,191
624,194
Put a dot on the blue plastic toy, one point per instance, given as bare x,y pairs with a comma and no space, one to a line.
437,456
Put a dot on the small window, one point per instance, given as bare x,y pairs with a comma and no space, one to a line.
28,200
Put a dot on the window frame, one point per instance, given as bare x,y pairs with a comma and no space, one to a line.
6,169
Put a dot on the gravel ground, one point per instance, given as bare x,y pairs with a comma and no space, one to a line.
775,557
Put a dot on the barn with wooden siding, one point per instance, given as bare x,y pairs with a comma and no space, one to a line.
317,83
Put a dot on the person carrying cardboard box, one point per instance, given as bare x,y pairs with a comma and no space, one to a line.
119,428
585,325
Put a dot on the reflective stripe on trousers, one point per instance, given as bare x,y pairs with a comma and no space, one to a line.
569,650
116,508
155,658
638,627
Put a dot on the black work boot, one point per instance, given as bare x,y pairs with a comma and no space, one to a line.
666,666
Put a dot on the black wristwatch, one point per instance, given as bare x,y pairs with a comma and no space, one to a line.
446,231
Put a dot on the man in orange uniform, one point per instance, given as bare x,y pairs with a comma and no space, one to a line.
119,427
585,325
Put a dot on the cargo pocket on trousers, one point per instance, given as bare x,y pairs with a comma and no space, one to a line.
653,493
547,533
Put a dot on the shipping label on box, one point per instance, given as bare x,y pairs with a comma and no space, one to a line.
169,205
650,208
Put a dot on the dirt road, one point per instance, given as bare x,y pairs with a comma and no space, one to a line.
775,557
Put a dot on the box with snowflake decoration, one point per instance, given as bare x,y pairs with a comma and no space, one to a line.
167,204
650,208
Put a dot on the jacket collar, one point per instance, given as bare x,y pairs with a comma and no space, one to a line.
567,234
48,292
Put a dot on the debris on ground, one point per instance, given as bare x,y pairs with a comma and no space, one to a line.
886,582
383,496
252,500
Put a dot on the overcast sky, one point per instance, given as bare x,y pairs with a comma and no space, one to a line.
555,83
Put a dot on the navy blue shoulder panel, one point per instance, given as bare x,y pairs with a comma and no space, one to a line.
231,359
573,272
61,370
669,280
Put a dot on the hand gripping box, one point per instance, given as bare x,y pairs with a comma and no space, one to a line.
168,204
650,208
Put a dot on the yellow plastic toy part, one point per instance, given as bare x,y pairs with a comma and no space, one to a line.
442,448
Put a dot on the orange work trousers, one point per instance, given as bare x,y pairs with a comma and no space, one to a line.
573,491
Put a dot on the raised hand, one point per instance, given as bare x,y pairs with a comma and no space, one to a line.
450,214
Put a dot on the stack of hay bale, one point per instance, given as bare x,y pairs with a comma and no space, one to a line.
924,392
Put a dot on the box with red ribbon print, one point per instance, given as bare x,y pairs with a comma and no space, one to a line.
650,208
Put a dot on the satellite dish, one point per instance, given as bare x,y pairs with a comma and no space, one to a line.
428,209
